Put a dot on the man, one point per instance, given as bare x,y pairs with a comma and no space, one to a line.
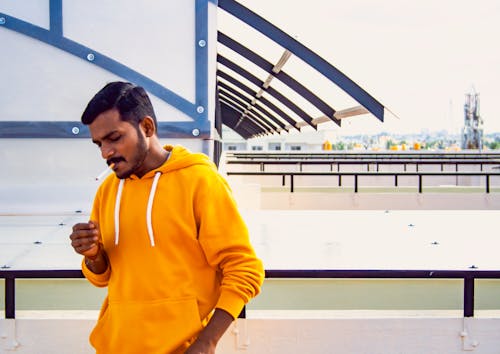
164,236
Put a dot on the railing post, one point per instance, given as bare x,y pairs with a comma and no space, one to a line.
468,296
291,183
487,183
355,183
243,313
10,297
420,183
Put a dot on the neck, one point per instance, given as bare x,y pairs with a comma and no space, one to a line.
156,157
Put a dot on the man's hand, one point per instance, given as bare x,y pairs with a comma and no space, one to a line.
85,239
201,347
210,335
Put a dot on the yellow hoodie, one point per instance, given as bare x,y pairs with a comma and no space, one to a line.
177,249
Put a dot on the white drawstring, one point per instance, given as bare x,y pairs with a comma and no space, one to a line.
117,210
150,208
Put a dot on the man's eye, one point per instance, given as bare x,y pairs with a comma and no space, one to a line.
115,138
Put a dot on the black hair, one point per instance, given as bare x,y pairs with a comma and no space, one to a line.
132,102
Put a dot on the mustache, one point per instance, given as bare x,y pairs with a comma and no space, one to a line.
114,160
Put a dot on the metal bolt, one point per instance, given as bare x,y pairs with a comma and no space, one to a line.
200,109
2,20
75,130
202,43
195,132
90,57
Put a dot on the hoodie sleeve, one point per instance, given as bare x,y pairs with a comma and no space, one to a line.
225,240
99,280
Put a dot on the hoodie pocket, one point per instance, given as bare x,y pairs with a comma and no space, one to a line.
150,327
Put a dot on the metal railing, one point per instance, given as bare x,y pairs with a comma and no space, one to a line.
368,162
468,277
356,176
361,155
10,277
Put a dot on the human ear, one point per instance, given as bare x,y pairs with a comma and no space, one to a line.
148,126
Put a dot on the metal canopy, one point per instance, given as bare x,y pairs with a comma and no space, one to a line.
254,104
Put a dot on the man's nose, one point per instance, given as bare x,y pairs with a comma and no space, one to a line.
106,152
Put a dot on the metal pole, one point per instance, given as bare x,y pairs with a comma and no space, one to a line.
468,296
10,297
243,313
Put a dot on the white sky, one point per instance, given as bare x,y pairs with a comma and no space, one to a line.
418,58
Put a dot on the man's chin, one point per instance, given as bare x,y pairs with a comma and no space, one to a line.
123,175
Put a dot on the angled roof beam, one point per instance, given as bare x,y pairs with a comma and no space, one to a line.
343,114
273,107
255,116
304,53
350,112
242,106
232,117
282,61
276,71
238,105
254,108
256,81
246,124
251,92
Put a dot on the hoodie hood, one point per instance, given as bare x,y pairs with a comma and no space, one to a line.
179,157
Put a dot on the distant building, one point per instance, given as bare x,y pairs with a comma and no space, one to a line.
303,141
472,136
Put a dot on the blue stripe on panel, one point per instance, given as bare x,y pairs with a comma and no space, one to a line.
102,61
54,38
56,23
201,30
70,129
